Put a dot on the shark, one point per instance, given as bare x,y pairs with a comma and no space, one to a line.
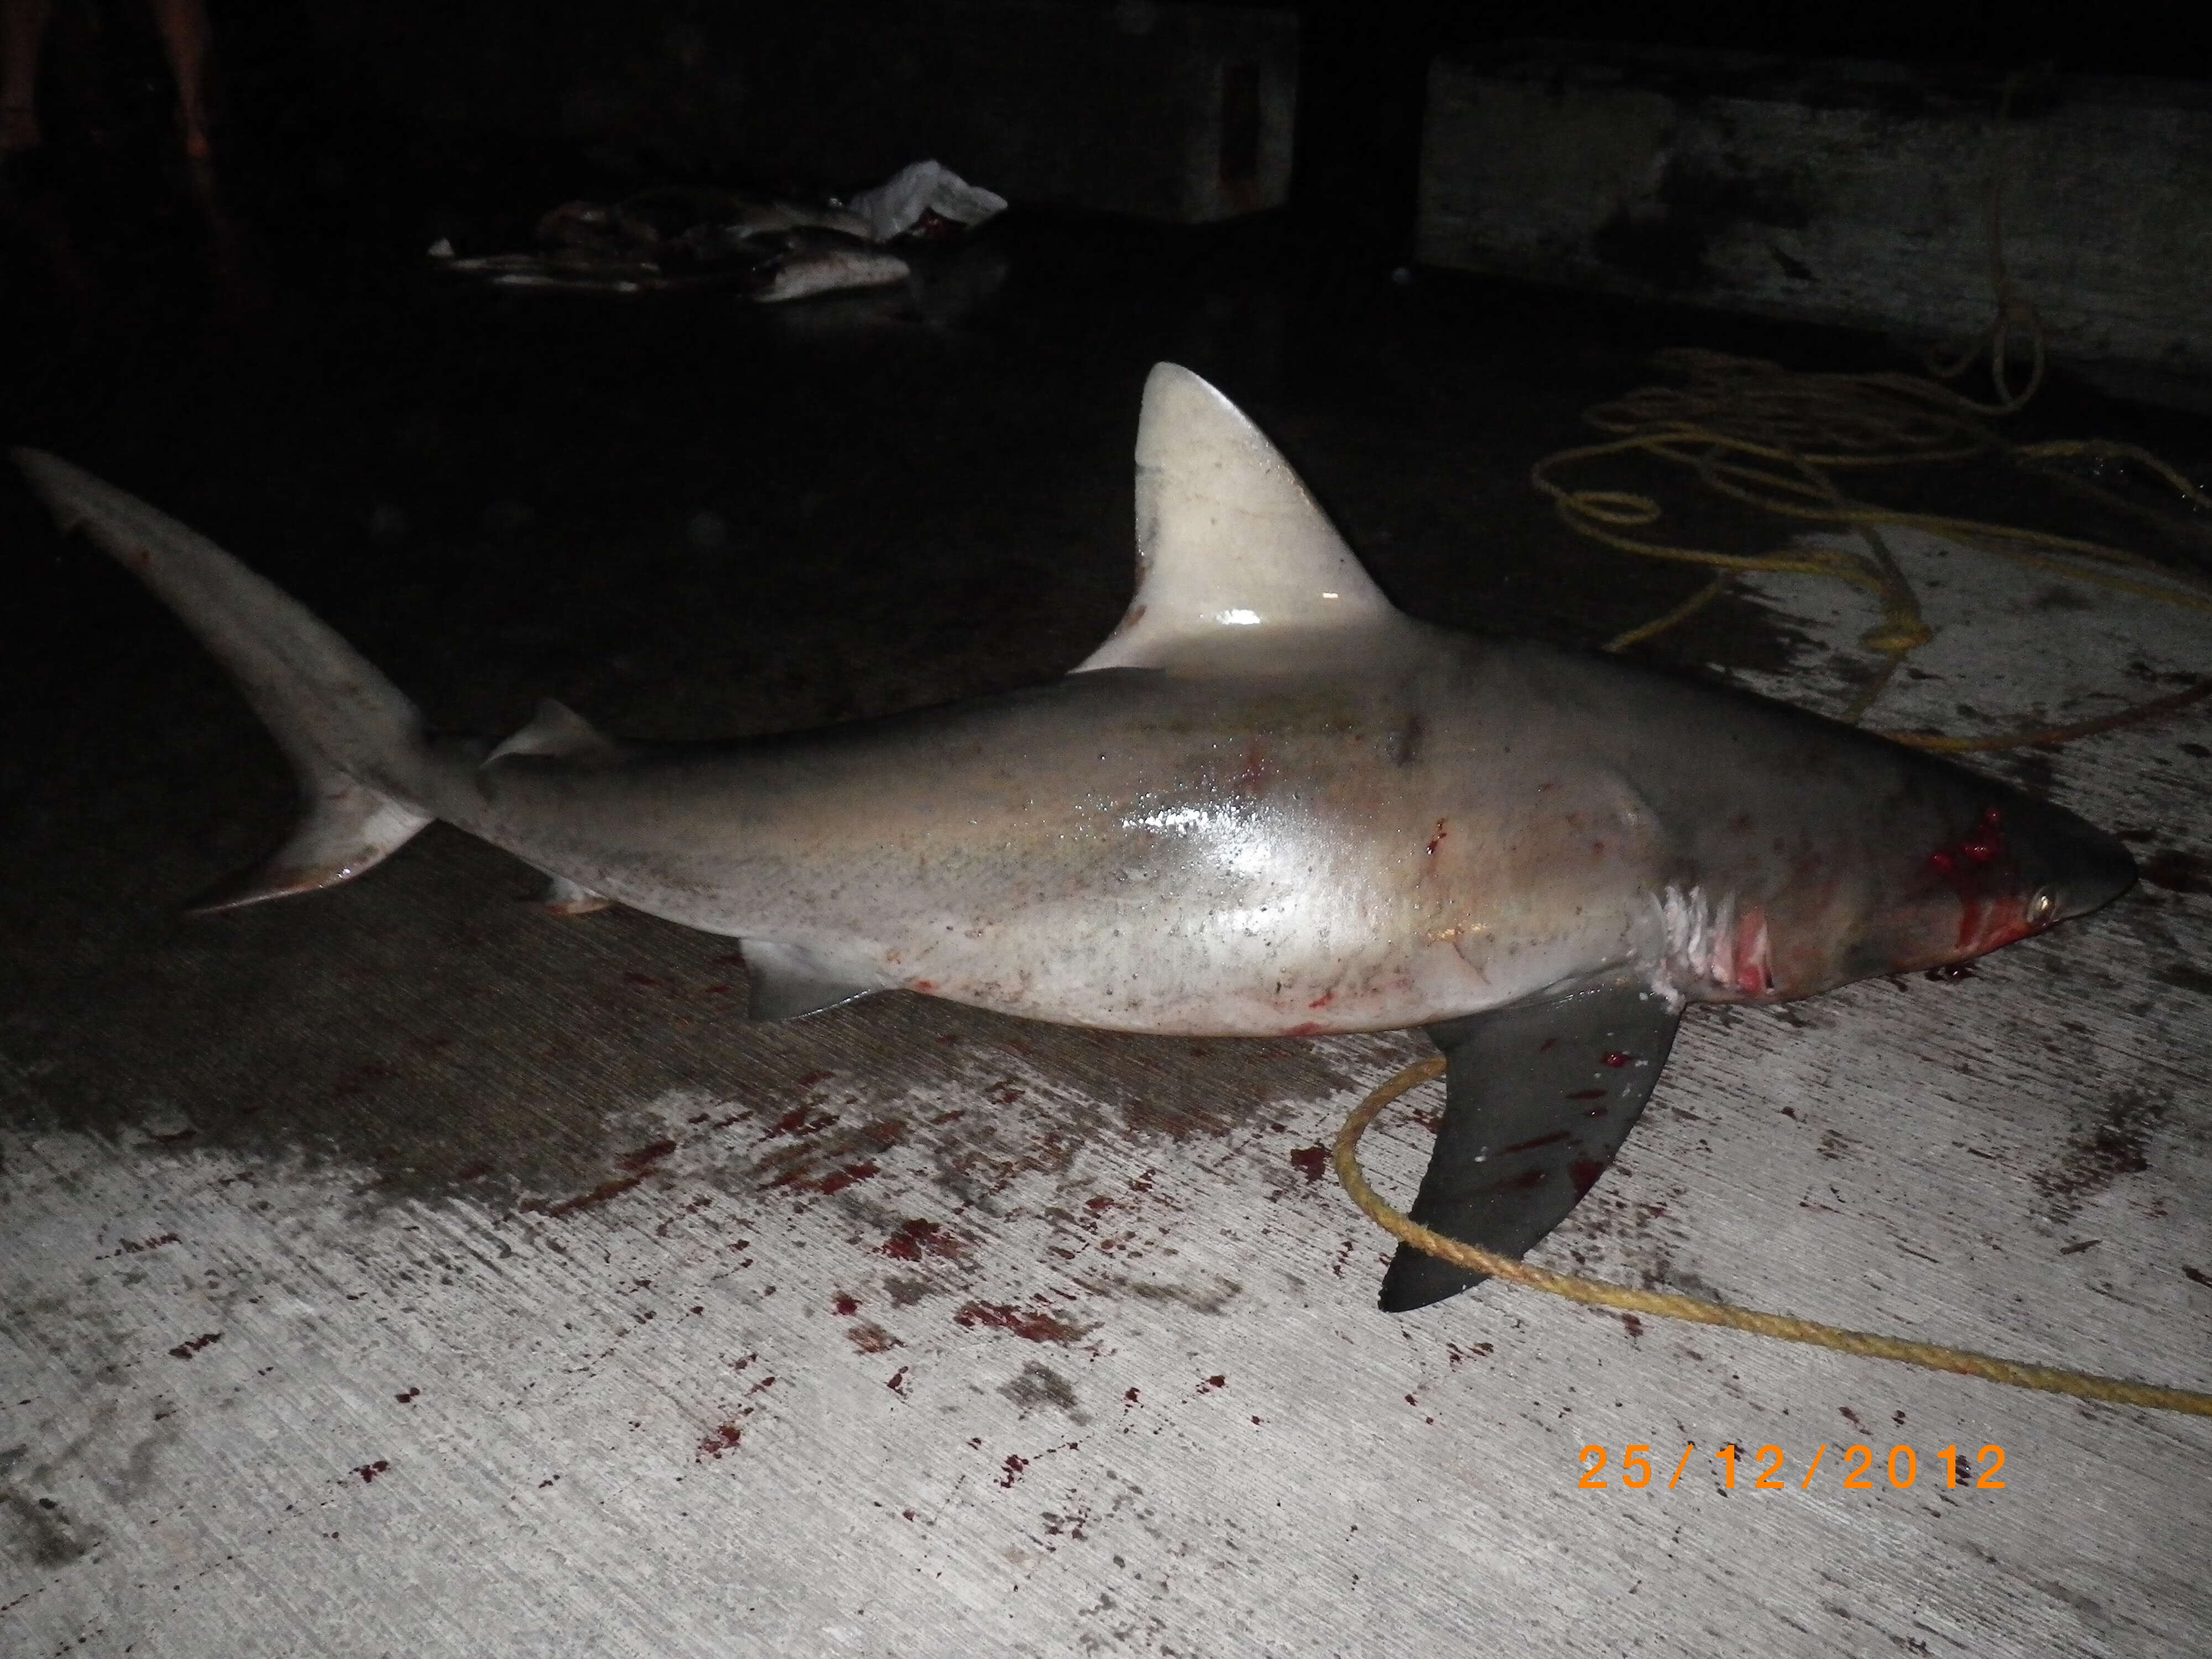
1269,804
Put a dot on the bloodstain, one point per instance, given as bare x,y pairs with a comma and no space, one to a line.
2116,1143
2197,1276
846,1305
1585,1173
135,1246
1309,1029
1552,1139
1854,1417
1616,1059
1322,1000
725,1438
1311,1161
925,986
1440,837
191,1346
1631,1324
871,1337
1212,1383
897,1385
591,1200
646,1157
407,1397
1029,1323
1013,1467
1986,919
1586,1094
915,1236
800,1121
643,979
849,1175
369,1472
2178,871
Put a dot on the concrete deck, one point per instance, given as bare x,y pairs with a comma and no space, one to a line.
403,1272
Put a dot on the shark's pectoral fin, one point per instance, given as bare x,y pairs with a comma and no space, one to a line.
788,981
1537,1099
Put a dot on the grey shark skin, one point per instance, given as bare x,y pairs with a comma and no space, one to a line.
1269,804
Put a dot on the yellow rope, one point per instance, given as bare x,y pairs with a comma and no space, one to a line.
2082,1385
1770,439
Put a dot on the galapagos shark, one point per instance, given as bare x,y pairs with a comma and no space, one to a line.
1270,804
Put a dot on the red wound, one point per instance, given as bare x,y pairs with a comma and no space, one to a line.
1984,914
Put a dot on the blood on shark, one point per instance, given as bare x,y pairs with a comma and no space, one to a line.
1269,804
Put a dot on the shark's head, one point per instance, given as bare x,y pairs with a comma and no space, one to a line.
1996,866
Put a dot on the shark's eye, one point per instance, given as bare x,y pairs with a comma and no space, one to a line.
2043,908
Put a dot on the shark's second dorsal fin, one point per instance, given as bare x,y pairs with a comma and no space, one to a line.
559,731
1228,541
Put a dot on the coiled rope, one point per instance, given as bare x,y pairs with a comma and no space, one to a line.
1772,439
1596,1293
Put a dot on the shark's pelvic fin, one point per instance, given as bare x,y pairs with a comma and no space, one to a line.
788,981
1228,539
1537,1099
356,743
564,898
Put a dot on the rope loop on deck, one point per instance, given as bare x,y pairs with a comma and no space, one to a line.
1622,1298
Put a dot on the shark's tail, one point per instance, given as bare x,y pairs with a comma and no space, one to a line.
364,764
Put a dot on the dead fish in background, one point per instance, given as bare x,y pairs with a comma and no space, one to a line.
673,238
1269,804
767,266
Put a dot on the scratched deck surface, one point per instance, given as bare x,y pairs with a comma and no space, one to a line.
403,1272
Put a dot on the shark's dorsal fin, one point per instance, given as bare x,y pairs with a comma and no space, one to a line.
1228,541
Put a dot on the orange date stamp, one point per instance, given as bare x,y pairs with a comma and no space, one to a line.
1856,1467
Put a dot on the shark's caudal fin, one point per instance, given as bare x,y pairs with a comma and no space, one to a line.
1228,539
356,743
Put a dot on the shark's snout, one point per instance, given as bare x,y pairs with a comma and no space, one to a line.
2086,868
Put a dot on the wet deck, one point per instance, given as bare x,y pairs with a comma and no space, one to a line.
404,1271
